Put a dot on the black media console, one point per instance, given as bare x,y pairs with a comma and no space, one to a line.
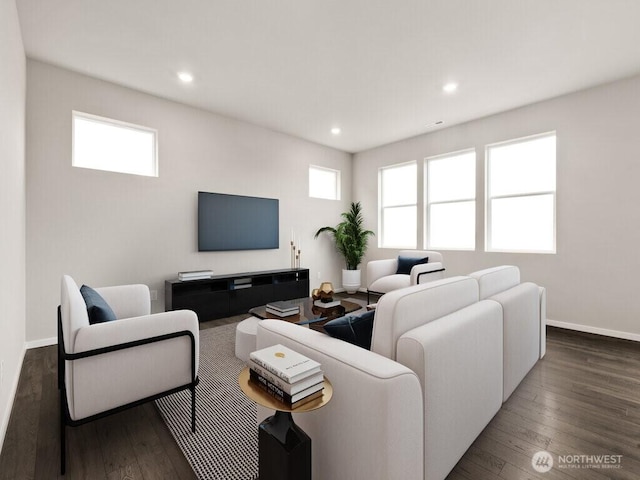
226,295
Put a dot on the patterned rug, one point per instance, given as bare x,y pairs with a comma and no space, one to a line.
225,445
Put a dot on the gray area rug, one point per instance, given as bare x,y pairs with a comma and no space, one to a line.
225,445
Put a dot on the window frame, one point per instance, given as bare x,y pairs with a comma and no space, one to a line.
489,197
427,203
114,123
382,208
338,180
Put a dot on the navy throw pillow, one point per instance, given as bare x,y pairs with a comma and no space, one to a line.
98,309
356,329
405,264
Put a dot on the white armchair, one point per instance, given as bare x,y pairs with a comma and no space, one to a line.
383,276
107,367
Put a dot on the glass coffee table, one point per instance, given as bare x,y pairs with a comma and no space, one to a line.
310,314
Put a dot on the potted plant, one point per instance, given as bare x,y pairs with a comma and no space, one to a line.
351,241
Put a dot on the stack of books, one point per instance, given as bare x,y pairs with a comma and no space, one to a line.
287,376
195,275
283,309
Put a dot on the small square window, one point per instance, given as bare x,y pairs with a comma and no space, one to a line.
105,144
324,183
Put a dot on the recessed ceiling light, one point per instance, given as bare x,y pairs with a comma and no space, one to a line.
450,87
185,77
335,131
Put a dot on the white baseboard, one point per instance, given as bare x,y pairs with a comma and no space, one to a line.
43,342
6,415
597,330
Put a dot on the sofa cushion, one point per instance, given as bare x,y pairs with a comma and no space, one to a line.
405,264
405,309
98,309
492,281
356,329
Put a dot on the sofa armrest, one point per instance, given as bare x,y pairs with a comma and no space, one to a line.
372,427
458,359
521,327
107,380
380,268
426,272
543,321
127,300
106,334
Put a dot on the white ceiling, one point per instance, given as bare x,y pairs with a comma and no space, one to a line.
375,68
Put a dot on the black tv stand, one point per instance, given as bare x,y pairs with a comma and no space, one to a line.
227,295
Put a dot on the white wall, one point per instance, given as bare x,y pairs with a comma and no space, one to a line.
12,207
106,228
592,280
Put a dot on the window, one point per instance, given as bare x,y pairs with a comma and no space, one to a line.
104,144
521,195
398,206
450,214
324,183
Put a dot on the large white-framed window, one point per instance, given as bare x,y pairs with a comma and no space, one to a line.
398,195
102,143
521,195
450,201
324,183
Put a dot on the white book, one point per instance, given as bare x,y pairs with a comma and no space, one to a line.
287,387
285,363
282,314
195,273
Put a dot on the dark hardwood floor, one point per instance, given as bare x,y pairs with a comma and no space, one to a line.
583,398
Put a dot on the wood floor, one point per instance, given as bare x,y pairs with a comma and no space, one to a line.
583,398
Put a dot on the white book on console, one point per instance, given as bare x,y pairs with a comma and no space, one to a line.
285,363
289,388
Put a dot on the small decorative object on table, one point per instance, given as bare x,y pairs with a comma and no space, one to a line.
286,381
323,294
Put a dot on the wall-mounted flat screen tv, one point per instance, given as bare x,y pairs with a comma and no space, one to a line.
236,222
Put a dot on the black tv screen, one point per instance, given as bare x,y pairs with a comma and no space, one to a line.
235,222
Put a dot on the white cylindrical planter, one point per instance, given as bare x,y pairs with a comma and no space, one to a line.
351,280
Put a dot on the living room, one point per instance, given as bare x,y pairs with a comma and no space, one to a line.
105,228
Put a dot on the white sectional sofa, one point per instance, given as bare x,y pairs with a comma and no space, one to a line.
444,355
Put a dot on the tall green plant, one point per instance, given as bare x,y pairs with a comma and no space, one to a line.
350,237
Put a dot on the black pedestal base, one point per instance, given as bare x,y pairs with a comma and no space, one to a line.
285,450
